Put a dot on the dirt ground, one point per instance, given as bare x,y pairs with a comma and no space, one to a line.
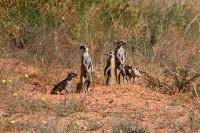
98,111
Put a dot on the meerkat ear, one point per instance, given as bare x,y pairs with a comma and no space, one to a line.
81,47
75,74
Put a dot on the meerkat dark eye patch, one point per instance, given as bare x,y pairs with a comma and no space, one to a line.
121,43
110,53
75,74
82,47
118,42
134,68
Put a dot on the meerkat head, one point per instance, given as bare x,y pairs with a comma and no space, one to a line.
134,68
136,71
110,53
84,48
130,70
121,43
72,75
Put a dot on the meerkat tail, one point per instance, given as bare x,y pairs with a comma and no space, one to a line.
113,74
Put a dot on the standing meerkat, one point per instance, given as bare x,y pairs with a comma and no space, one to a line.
119,60
109,70
65,84
86,70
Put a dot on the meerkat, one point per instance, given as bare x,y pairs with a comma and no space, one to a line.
119,60
86,70
136,73
65,84
127,73
131,73
109,70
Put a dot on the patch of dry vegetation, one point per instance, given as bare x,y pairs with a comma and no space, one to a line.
126,127
68,107
20,106
159,33
176,79
192,124
25,106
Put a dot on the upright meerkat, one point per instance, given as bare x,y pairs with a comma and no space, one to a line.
65,84
119,60
86,70
109,70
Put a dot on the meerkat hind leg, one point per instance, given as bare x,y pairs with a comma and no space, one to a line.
68,91
125,80
84,85
118,75
107,80
58,92
88,85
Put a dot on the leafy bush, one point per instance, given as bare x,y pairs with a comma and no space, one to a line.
181,78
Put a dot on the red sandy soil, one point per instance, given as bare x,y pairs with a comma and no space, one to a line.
107,104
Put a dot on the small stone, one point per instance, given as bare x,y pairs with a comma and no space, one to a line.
10,81
13,121
167,108
84,127
111,101
3,81
104,115
132,116
26,76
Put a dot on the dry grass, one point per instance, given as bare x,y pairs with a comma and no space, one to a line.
192,124
68,107
36,126
93,125
72,127
175,78
126,127
19,104
159,33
